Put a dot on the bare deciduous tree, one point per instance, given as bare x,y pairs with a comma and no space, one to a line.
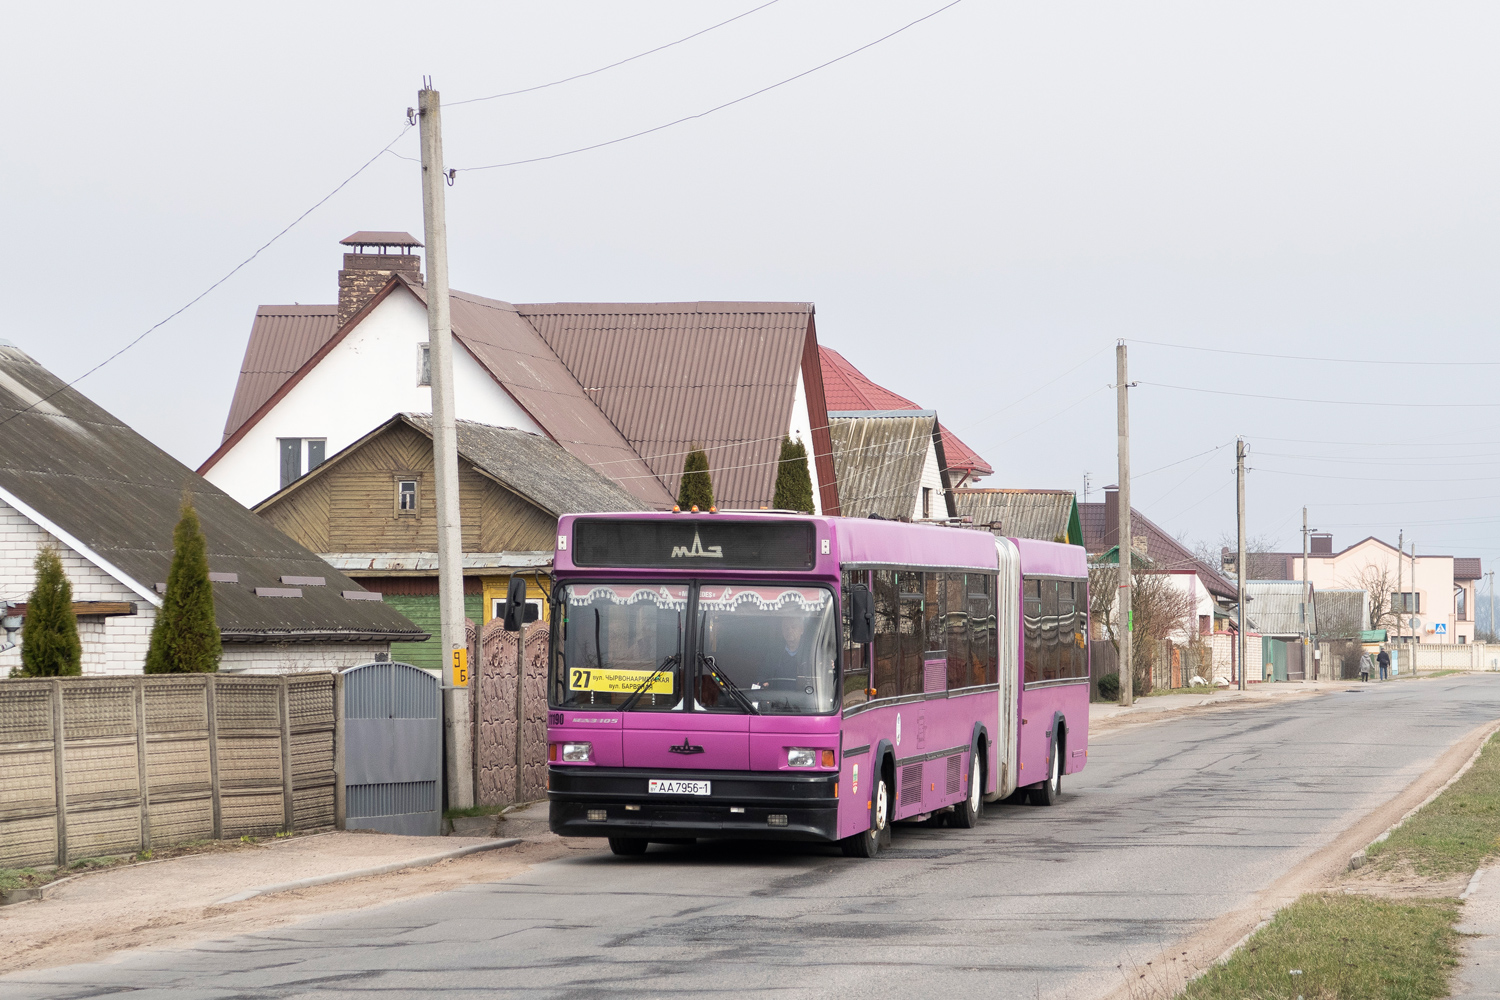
1159,609
1379,583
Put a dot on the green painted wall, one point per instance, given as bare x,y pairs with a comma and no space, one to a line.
423,611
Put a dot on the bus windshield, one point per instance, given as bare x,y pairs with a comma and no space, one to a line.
620,645
768,650
757,649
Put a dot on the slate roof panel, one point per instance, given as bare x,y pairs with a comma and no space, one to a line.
119,495
1039,514
879,461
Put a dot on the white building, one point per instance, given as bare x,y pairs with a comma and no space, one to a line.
629,389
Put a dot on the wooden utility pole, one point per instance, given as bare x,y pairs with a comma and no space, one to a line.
445,455
1123,549
1239,566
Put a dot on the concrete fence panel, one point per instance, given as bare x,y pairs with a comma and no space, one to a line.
96,766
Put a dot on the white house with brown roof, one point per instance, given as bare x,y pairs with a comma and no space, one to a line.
628,389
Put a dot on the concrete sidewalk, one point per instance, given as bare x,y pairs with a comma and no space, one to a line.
1478,974
1108,714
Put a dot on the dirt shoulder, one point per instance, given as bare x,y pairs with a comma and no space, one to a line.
175,903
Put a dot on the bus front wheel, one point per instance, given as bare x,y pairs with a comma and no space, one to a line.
1048,792
869,843
627,846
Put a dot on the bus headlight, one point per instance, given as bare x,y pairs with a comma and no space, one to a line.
799,757
577,753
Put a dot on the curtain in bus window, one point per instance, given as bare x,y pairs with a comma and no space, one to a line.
982,657
887,634
910,679
1066,619
856,656
1031,614
616,639
1050,651
956,615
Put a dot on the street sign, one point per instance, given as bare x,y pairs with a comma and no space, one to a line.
1415,623
1440,628
460,668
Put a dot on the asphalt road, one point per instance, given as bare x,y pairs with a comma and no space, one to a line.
1172,824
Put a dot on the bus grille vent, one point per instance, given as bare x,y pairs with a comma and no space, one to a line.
955,766
911,785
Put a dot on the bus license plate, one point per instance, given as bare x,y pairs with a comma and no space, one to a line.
667,786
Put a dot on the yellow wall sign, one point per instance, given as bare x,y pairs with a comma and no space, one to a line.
460,668
618,681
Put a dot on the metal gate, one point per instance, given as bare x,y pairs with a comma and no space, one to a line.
393,749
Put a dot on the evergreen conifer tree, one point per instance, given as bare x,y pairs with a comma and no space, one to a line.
185,637
793,479
49,635
697,486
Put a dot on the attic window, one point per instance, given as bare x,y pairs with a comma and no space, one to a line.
406,496
424,365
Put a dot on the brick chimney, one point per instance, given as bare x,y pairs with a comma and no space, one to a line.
1322,544
1111,516
371,264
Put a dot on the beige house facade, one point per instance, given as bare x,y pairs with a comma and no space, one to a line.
1436,590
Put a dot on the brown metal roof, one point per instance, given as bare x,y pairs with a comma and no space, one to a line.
509,348
1164,551
1467,568
879,460
378,238
678,375
118,495
282,338
1040,514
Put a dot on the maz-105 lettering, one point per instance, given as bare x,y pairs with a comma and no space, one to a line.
697,551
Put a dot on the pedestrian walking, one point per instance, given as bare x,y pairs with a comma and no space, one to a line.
1384,659
1364,666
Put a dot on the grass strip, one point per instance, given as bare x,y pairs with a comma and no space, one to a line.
1454,833
1344,948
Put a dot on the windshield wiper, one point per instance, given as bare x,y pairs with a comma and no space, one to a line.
727,685
628,702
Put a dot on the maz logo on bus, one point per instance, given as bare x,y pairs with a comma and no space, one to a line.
697,551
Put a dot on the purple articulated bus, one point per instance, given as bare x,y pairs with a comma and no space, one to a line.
773,676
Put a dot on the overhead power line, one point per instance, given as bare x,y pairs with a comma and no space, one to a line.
622,62
1304,357
720,107
1329,402
203,294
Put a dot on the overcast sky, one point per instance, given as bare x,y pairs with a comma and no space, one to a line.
980,207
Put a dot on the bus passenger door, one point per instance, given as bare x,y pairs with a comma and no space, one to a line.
1008,663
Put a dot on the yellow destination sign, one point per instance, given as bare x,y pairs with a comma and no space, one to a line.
618,681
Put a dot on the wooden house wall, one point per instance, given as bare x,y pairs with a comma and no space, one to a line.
351,507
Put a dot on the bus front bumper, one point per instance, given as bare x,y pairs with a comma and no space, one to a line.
744,805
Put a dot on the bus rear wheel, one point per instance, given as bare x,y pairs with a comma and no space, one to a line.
869,843
1048,792
966,814
627,846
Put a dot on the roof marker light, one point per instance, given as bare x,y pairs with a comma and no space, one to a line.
694,509
676,509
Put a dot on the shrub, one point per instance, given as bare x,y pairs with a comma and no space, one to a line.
49,635
793,479
185,636
697,487
1109,687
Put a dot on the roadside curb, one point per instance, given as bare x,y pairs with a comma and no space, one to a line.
1359,858
395,866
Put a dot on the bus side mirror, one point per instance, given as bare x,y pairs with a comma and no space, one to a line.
516,607
861,615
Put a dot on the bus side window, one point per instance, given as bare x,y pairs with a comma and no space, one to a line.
1066,617
1031,615
909,675
856,655
982,660
887,634
933,602
956,625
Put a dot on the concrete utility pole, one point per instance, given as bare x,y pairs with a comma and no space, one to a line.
1416,600
1491,575
1124,548
1400,595
445,459
1239,477
1306,600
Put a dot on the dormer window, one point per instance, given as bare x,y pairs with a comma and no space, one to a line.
406,496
